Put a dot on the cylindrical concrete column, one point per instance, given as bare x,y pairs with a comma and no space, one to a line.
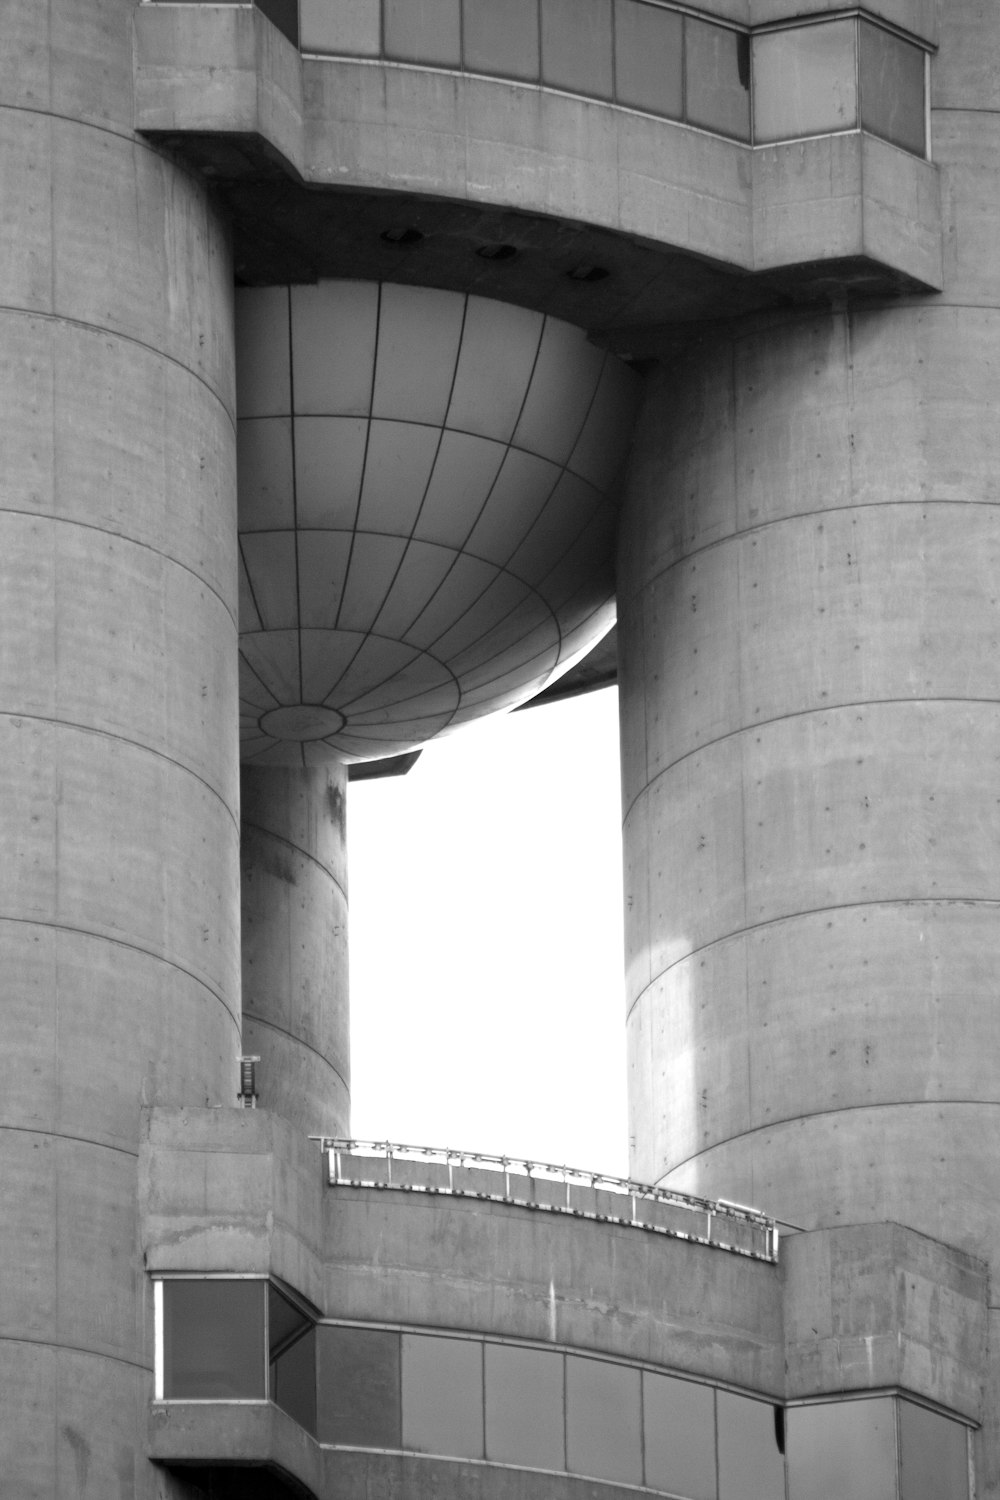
118,824
810,620
294,880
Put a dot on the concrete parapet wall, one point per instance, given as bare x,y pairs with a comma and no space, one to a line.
876,1305
495,1268
377,126
232,1190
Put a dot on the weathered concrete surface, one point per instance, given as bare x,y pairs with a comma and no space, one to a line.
877,1306
808,622
221,62
236,1190
499,144
488,1267
217,1434
119,883
411,1476
294,943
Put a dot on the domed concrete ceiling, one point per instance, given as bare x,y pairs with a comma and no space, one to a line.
427,512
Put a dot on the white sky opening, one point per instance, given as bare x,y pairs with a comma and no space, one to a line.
487,994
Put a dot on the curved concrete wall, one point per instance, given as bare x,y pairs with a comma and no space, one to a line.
809,613
118,886
294,901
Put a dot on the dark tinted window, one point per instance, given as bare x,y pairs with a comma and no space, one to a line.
427,31
649,58
892,88
213,1340
359,1387
576,46
718,78
292,1359
501,39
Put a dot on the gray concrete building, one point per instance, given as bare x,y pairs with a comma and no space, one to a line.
360,359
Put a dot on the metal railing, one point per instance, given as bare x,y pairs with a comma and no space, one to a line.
552,1189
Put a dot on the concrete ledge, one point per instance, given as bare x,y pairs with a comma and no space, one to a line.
843,197
354,1475
221,86
427,1261
235,1190
221,1434
221,69
878,1306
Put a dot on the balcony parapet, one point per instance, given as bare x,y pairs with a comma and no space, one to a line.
606,213
551,1189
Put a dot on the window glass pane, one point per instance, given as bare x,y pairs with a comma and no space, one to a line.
576,46
679,1432
293,1379
524,1407
648,58
841,1448
804,81
718,78
213,1340
750,1464
443,1396
424,31
284,14
339,26
603,1420
502,39
358,1397
292,1359
933,1451
892,88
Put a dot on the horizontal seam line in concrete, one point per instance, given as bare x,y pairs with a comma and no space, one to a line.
123,536
812,911
128,134
290,844
799,713
100,331
123,739
820,1113
249,1015
64,1135
801,515
103,937
123,133
119,1359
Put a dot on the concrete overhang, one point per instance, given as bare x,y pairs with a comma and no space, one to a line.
242,1438
857,1309
318,158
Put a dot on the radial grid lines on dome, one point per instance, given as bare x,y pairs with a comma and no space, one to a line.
427,512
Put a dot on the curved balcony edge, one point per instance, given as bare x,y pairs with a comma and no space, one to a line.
225,89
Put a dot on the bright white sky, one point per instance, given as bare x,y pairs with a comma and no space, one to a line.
487,1006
